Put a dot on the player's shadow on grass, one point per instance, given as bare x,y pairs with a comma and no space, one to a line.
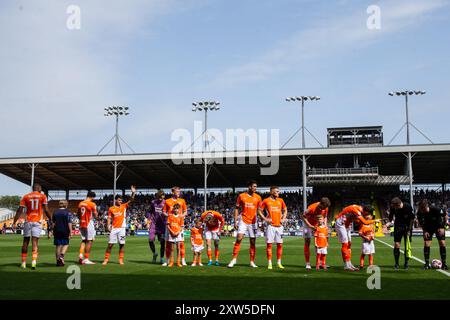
144,262
40,265
29,285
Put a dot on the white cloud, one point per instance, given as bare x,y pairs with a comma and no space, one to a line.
331,36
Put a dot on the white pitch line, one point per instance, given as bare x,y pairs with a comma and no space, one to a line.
415,258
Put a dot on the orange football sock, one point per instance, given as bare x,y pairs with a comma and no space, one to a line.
279,251
182,250
168,249
324,260
361,260
209,254
252,252
237,247
349,251
346,252
307,252
216,254
318,257
371,260
24,257
34,255
269,252
107,255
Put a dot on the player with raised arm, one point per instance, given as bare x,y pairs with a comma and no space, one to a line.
248,202
433,220
310,219
214,223
167,211
87,210
116,225
35,204
276,214
157,225
344,220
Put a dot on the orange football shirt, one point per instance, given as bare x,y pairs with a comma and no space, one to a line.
274,208
313,212
169,203
321,237
119,215
33,203
174,223
197,236
87,208
352,213
367,230
219,221
249,205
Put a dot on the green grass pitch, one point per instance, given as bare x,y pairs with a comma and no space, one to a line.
139,279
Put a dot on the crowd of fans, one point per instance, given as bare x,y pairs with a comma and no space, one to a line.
439,198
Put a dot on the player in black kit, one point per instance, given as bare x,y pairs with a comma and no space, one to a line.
403,216
433,221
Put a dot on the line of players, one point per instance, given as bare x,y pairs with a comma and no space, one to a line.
166,223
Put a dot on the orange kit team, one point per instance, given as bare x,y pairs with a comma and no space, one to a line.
214,223
35,204
168,211
276,216
248,202
116,224
87,210
344,220
310,219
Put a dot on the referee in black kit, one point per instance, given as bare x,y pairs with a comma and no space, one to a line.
433,221
403,217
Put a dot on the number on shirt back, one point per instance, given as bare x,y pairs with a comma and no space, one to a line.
34,204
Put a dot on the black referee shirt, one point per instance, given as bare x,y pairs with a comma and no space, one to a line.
434,219
404,217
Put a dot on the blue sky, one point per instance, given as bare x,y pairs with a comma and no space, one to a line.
159,56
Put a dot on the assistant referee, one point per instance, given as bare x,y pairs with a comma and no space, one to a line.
402,215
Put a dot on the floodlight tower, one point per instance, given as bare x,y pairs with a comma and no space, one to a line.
205,106
407,93
303,99
117,111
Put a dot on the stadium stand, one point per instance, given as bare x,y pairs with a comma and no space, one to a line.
5,214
